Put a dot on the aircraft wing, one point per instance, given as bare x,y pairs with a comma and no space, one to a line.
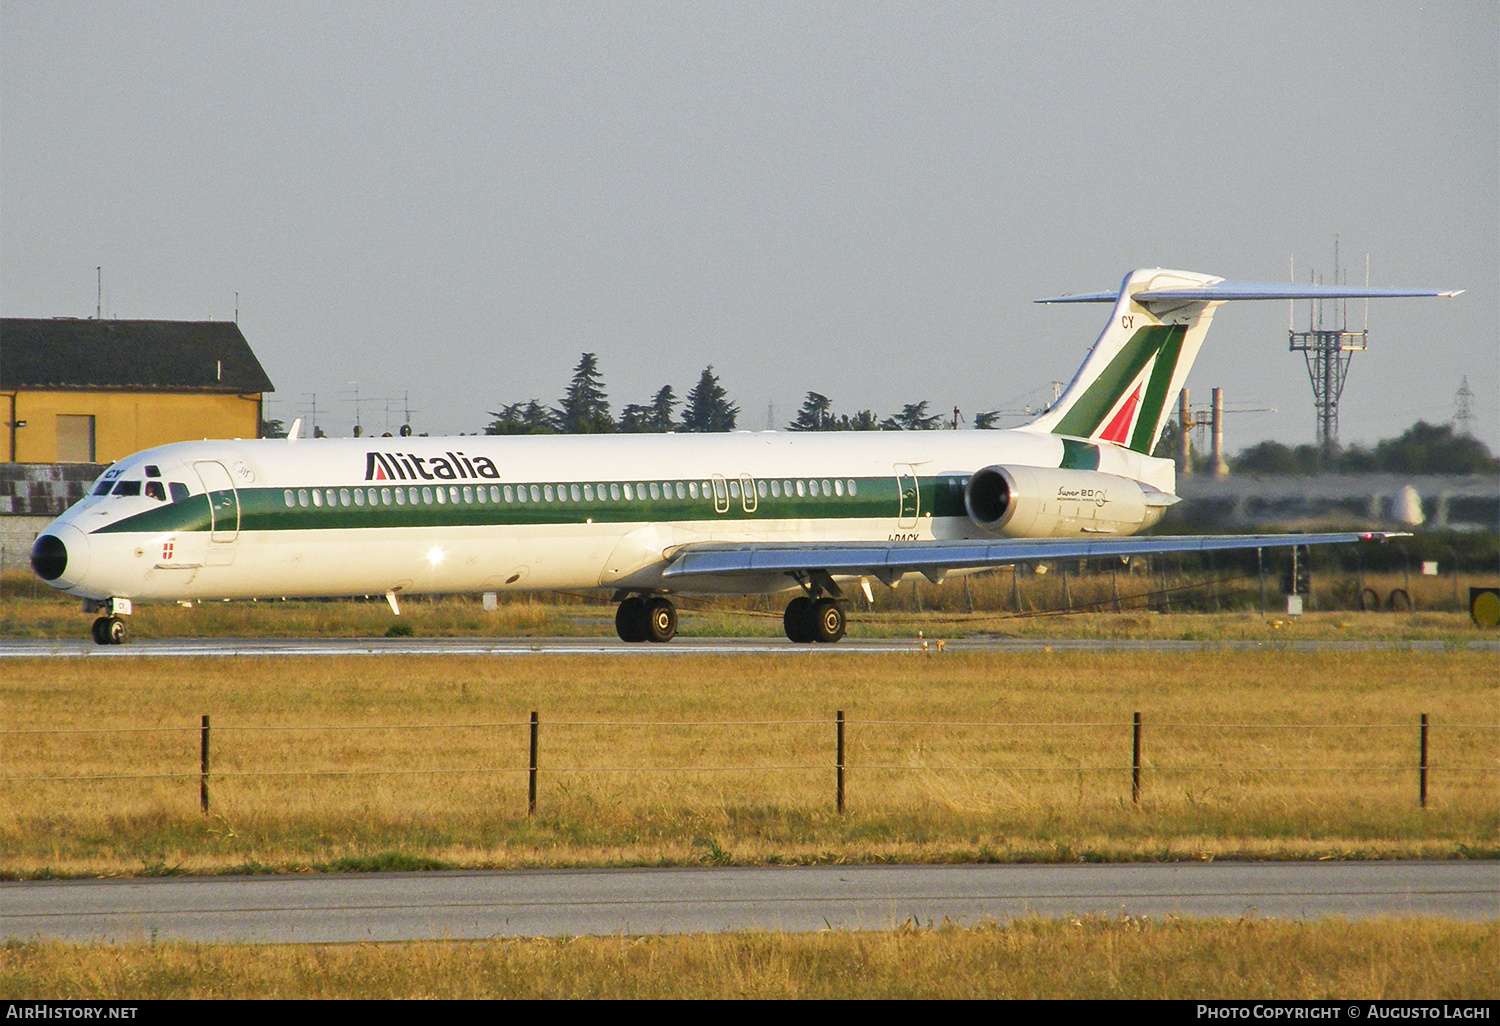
887,561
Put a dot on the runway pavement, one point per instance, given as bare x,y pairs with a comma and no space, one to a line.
472,905
31,648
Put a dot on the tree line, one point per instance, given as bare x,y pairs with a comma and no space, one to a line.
1422,448
584,410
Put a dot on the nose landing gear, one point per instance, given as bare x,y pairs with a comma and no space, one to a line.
110,630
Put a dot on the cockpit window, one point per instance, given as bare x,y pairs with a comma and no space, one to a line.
104,487
152,470
128,488
156,490
179,491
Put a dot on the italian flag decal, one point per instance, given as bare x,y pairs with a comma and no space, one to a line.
1118,429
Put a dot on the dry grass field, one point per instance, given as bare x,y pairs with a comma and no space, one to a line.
1092,958
406,762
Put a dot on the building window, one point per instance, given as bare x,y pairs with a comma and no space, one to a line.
75,438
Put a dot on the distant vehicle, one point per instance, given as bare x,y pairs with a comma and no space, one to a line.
647,517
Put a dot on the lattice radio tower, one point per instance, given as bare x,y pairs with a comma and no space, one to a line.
1328,350
1463,411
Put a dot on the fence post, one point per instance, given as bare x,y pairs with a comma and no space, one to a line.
1422,775
1135,763
1260,577
203,766
841,760
531,788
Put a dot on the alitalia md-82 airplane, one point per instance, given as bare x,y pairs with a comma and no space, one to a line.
647,517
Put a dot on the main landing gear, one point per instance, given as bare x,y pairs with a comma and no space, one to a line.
646,618
815,617
110,630
808,620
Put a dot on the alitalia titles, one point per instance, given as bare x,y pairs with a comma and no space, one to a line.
408,466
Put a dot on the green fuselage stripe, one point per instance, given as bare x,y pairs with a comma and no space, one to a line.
266,509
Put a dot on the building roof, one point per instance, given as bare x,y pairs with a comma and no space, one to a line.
66,353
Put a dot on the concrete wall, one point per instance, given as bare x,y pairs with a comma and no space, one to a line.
31,494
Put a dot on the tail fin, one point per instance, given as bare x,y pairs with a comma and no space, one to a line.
1123,392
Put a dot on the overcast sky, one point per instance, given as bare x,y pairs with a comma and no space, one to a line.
455,200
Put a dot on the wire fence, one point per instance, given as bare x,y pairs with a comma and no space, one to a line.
998,761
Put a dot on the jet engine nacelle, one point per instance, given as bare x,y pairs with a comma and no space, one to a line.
1044,502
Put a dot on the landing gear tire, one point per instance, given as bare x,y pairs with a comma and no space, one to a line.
661,620
110,630
631,620
828,622
797,621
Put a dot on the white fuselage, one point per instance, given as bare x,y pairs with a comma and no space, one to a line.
318,517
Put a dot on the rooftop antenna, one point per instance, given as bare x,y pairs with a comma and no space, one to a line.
1328,351
236,306
359,428
99,295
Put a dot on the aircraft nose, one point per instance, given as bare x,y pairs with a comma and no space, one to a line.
61,556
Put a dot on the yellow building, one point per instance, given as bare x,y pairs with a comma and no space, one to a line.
93,391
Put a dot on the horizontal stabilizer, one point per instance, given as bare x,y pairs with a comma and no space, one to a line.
1227,290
